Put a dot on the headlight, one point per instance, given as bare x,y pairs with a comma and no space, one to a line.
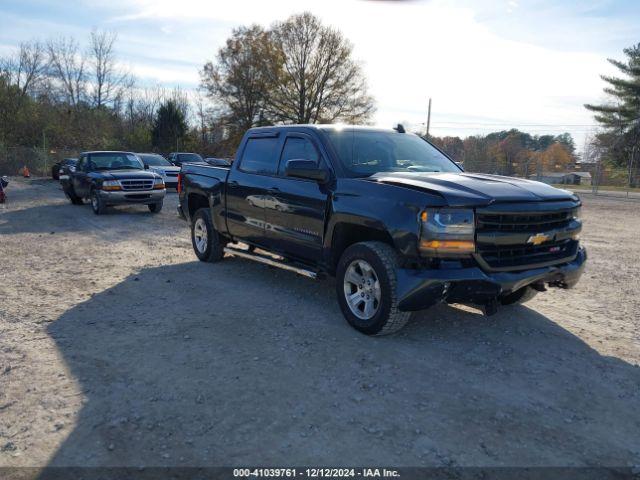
158,183
577,213
447,232
111,185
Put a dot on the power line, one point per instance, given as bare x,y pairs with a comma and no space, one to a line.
508,124
538,129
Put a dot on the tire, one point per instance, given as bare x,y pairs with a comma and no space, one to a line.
76,200
383,317
97,204
155,207
205,240
520,296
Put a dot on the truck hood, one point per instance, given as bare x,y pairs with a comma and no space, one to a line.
125,174
164,169
471,189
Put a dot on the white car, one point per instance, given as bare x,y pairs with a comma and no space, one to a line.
163,167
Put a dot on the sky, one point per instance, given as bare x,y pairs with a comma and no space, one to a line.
488,65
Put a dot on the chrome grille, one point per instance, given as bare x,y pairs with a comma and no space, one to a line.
137,184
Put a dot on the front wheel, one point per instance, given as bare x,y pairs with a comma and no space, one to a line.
366,287
97,204
155,207
205,239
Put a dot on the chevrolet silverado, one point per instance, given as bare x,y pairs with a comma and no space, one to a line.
398,223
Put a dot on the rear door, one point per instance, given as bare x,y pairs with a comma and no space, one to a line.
295,208
247,185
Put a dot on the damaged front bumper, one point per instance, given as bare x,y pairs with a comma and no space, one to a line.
420,289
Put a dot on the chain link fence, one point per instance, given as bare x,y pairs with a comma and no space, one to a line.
37,160
596,178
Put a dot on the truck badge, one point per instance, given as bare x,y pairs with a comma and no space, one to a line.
538,238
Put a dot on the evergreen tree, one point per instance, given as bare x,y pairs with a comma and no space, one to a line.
620,117
169,126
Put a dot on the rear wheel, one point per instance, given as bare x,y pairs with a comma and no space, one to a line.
366,288
97,204
75,199
206,241
155,207
520,296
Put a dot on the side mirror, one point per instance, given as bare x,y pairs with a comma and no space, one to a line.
460,165
146,167
307,169
72,168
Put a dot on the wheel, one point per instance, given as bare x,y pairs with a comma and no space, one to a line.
97,204
519,297
366,287
155,207
76,200
204,237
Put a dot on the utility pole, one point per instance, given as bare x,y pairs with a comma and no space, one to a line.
44,149
428,118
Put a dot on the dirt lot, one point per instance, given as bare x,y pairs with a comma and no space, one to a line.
118,348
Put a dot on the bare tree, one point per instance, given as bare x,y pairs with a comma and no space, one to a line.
108,82
147,103
67,67
27,68
203,114
312,76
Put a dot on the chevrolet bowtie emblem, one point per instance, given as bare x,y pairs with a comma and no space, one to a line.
538,238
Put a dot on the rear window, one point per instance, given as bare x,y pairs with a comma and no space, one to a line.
154,160
259,156
189,157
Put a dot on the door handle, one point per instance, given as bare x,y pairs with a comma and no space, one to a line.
233,183
273,190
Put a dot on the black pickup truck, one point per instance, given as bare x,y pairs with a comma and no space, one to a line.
397,222
112,178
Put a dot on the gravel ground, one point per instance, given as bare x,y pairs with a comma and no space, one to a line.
118,348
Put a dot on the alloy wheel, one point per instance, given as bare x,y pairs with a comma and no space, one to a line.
362,289
200,235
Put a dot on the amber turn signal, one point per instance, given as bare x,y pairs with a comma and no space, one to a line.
449,246
158,186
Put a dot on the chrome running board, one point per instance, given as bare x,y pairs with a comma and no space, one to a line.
268,261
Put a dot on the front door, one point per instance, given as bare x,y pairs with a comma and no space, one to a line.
80,179
295,208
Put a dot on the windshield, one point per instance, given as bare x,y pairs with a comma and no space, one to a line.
189,157
154,160
114,161
365,153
